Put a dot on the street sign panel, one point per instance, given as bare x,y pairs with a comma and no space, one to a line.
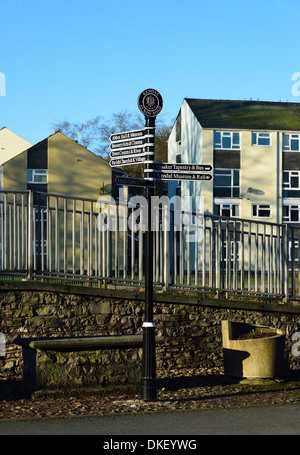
180,176
127,144
131,181
127,135
127,152
182,167
125,161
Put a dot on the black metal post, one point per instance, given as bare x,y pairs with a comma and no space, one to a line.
148,386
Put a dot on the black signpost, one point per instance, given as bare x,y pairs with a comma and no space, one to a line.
150,104
138,146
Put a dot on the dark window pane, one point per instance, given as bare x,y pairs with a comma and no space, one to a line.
294,144
226,142
236,180
294,182
222,171
236,138
285,141
235,192
222,192
222,180
264,213
294,215
264,141
217,138
225,212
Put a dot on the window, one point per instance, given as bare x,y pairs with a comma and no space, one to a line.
290,214
230,210
226,140
263,139
291,184
226,183
261,211
234,254
37,176
290,142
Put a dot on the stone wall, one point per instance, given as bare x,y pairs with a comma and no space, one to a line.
190,324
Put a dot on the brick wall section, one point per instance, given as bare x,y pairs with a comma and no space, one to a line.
190,324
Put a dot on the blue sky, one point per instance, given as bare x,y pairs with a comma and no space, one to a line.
74,60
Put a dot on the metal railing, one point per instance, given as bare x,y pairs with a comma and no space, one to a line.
57,238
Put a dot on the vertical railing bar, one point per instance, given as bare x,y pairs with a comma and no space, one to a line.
34,248
234,256
242,253
30,236
166,277
298,262
57,265
14,232
228,257
65,234
19,247
4,248
196,248
42,240
263,260
181,251
74,237
292,261
188,248
132,250
10,237
81,240
271,246
91,239
204,252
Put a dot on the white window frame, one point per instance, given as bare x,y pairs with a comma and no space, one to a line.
218,172
227,206
287,185
32,174
227,134
261,207
292,207
290,137
260,135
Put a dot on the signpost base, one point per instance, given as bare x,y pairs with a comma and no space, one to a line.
148,384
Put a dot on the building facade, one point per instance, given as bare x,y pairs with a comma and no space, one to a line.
254,149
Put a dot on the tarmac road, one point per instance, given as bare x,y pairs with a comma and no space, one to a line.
262,420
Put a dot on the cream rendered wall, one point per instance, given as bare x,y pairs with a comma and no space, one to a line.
11,145
75,171
207,158
258,172
14,175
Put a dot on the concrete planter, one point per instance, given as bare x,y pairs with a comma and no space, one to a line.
253,351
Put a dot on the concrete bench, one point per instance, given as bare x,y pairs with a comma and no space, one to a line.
76,362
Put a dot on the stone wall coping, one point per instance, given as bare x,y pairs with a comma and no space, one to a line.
84,343
203,298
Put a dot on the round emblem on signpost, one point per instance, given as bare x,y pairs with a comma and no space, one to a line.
150,102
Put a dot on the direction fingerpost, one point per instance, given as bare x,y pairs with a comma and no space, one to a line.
150,103
138,146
